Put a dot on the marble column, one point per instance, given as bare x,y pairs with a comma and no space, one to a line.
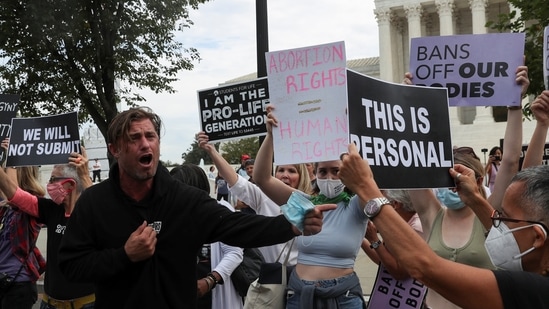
445,10
478,11
386,50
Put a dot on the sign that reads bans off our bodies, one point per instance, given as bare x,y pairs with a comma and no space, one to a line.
401,130
234,111
477,69
43,140
308,89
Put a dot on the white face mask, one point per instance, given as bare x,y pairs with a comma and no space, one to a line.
503,249
330,187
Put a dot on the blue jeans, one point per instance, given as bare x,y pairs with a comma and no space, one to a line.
344,301
21,295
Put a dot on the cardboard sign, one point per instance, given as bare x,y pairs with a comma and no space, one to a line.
43,140
389,292
477,69
308,88
545,57
9,104
401,130
234,111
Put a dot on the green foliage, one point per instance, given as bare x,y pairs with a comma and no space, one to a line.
234,149
532,19
194,154
67,55
231,151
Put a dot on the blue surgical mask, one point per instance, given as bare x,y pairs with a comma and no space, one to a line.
450,199
295,209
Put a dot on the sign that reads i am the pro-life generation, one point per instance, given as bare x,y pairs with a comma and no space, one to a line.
234,111
308,88
43,140
477,69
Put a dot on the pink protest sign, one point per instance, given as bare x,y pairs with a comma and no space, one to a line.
308,88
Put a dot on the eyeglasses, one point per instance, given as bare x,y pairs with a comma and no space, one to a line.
55,179
497,219
467,151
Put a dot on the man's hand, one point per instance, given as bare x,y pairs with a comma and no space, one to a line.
313,220
141,244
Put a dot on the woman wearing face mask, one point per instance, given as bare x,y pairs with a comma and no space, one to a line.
293,175
454,232
324,276
66,183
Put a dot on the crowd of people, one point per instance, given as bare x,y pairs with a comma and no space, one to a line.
147,237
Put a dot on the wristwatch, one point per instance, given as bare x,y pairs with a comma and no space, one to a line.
373,206
375,244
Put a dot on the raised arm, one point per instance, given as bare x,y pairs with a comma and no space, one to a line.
413,253
223,167
275,189
540,109
512,147
80,161
8,183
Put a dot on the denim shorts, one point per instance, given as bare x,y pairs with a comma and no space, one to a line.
344,301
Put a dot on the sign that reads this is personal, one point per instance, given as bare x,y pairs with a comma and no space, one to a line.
401,130
308,91
43,140
234,111
8,109
477,69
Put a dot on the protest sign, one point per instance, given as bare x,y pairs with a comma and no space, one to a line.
477,69
307,87
43,140
401,130
8,109
234,111
389,292
545,57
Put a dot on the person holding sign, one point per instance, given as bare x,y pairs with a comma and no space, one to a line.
324,276
135,235
517,239
21,262
66,183
293,175
455,231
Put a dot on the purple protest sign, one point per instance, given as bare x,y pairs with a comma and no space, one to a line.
389,292
545,57
477,69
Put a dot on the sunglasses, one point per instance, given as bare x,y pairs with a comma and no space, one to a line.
466,151
55,179
497,219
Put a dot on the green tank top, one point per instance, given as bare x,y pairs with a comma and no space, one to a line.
472,253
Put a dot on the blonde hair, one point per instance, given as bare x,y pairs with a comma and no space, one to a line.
27,179
304,183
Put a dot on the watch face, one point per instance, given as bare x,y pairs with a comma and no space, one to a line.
371,208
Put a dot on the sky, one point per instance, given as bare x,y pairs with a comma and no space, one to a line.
224,34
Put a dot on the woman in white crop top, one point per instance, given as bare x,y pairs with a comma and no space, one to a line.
324,276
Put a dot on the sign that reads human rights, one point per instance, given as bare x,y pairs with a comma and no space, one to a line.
401,130
43,140
389,292
308,90
477,69
234,111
